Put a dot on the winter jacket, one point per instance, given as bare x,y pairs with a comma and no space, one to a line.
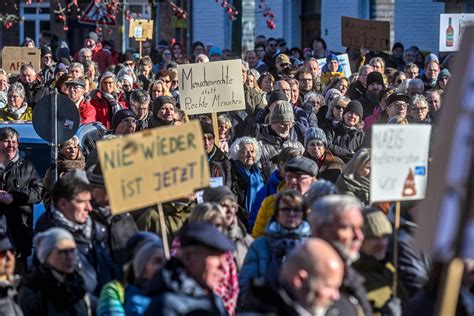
64,165
271,145
356,90
378,282
34,92
111,300
220,166
369,103
103,57
239,186
344,141
6,115
174,293
96,265
175,213
354,185
104,109
21,180
330,166
87,111
265,213
9,304
267,253
242,240
45,293
269,189
145,123
136,302
120,228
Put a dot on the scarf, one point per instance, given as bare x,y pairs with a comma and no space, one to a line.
281,241
84,230
17,113
253,181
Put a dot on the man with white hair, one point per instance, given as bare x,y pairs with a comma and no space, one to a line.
338,220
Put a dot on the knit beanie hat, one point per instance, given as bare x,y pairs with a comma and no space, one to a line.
376,224
355,106
398,45
162,100
431,57
277,95
331,57
45,242
315,133
444,73
282,112
105,75
61,68
120,115
218,194
93,36
45,50
128,56
330,93
126,77
143,255
375,76
135,242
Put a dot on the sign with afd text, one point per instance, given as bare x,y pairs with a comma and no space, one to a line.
451,30
399,162
14,57
153,166
356,33
211,87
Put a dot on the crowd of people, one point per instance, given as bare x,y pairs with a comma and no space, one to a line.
291,230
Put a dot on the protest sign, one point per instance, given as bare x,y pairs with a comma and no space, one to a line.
451,30
343,60
141,29
153,166
14,57
356,33
211,87
399,162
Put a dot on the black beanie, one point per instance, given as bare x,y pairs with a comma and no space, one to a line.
356,107
375,76
277,95
45,50
120,115
160,101
398,45
207,128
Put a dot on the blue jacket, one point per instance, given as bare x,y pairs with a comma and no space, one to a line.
268,189
136,302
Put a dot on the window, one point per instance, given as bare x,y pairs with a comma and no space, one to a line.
36,19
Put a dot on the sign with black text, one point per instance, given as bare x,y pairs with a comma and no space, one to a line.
211,87
370,34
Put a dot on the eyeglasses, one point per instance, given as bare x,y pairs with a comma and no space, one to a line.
298,178
317,143
75,87
400,105
288,210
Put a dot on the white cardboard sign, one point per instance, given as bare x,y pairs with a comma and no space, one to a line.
399,162
343,61
450,35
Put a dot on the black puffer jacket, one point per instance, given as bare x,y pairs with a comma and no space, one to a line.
21,180
219,166
44,294
34,92
174,293
344,141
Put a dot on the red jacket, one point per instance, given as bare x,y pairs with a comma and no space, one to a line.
103,108
87,112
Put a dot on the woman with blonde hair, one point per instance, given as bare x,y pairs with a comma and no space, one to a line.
334,114
157,89
225,133
355,178
378,64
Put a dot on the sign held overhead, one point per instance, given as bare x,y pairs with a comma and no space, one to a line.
15,57
153,166
451,30
356,33
211,87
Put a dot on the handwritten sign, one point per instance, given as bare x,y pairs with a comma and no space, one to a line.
451,30
211,87
374,35
153,166
14,57
141,30
399,162
343,60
